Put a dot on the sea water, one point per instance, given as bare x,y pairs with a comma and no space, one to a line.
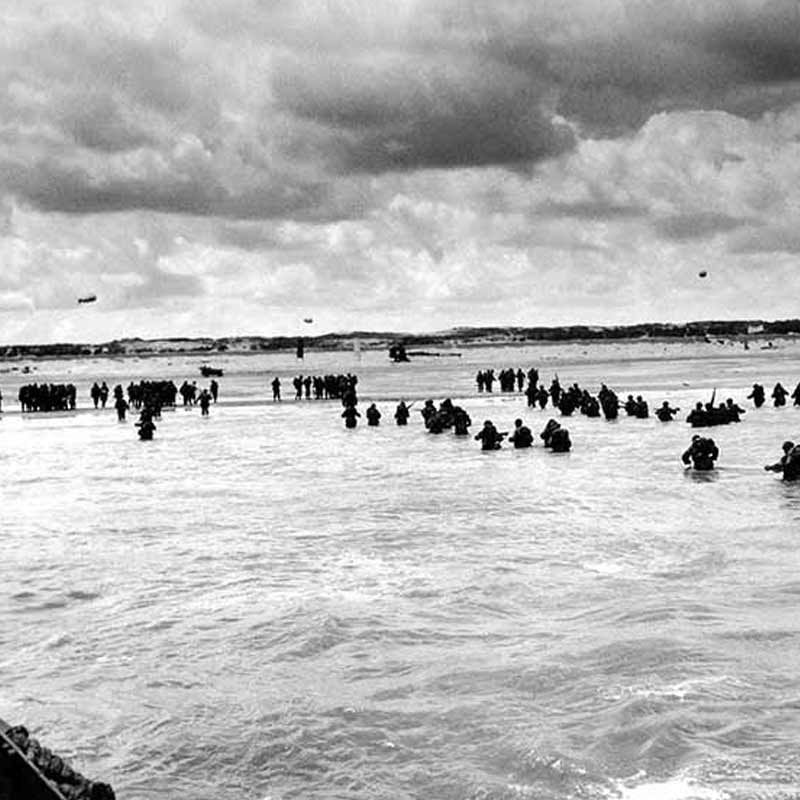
262,604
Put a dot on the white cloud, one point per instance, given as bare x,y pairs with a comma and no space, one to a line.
414,163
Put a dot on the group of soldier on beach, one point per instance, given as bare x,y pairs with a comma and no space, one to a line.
323,387
47,397
149,397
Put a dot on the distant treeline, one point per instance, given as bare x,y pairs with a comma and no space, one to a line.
376,340
642,330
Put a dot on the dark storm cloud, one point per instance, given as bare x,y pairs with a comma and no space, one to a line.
6,219
428,113
613,69
104,88
493,134
480,82
96,122
601,210
684,227
261,237
249,237
761,41
768,239
282,198
284,99
49,186
107,119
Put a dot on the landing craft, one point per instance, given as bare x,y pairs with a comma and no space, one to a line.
89,298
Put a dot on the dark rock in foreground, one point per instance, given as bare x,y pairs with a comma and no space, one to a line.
29,771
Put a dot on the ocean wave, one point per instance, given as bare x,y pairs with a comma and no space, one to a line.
391,615
682,691
678,788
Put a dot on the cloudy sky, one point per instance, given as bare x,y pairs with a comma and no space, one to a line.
215,167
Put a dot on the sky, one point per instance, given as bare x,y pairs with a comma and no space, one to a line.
232,167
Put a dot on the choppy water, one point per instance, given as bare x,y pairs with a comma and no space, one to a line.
262,604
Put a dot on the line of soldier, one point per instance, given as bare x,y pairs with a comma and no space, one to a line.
708,415
574,398
510,380
152,395
166,392
450,416
566,400
324,387
63,397
703,453
47,397
778,395
51,396
554,437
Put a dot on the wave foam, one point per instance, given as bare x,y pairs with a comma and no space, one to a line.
671,691
672,789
